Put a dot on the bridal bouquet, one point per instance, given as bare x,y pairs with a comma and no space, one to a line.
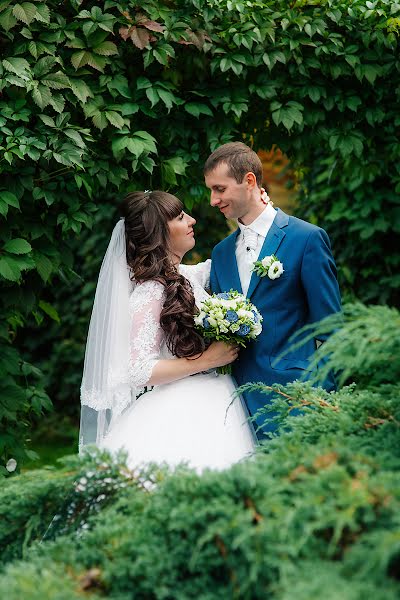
229,317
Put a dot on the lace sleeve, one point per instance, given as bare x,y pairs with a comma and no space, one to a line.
146,334
199,273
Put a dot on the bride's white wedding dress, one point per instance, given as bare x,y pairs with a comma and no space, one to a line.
193,420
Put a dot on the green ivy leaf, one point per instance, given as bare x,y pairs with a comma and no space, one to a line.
106,49
114,118
147,163
152,94
58,103
49,121
44,65
75,136
129,108
100,120
10,199
197,109
19,66
80,59
7,19
56,81
17,246
120,83
81,90
3,208
150,141
25,12
8,270
42,13
41,95
50,310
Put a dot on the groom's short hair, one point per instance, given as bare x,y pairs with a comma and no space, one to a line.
240,160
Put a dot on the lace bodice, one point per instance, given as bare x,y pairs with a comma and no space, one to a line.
147,341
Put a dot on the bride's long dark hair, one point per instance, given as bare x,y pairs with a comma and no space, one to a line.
147,253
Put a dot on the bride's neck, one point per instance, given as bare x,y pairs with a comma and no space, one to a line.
176,260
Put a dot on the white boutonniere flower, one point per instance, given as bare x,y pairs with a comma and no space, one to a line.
269,265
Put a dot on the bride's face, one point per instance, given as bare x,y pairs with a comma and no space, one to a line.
181,235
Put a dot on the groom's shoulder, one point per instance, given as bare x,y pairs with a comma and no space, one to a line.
301,226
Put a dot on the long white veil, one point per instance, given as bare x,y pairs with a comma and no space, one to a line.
105,388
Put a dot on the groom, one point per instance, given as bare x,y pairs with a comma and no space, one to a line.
305,292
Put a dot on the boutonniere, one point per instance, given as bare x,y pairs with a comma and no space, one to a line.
269,265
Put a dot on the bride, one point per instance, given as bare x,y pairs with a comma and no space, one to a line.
149,382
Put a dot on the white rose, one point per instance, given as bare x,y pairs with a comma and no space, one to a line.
242,313
275,270
199,319
257,329
266,261
212,321
230,303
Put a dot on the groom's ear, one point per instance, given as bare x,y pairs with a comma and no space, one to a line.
250,180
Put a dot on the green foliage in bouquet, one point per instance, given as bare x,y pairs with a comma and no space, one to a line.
99,98
314,514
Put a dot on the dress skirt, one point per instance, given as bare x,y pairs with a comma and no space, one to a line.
196,420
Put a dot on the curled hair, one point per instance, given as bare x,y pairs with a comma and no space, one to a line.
148,255
239,158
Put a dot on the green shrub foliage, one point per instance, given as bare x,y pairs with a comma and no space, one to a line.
100,98
315,513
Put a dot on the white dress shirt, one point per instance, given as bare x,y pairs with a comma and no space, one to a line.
249,243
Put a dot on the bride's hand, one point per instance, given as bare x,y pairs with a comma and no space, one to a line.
219,354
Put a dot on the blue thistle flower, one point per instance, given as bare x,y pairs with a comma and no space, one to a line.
206,323
231,316
243,330
223,296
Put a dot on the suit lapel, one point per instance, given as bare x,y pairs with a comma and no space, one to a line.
271,244
229,274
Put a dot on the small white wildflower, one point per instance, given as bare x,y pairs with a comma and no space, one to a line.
11,465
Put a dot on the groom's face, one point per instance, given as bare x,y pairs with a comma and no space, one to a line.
232,198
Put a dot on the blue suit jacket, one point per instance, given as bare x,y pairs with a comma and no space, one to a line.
306,292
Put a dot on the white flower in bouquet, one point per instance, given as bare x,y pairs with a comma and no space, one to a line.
229,317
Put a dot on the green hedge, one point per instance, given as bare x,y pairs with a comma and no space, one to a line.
101,98
315,514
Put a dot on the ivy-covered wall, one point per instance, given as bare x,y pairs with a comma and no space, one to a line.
98,98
